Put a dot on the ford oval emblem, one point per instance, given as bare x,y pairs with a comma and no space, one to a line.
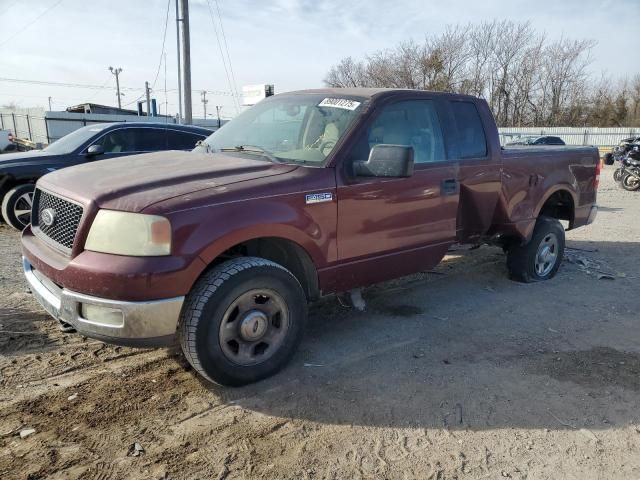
48,216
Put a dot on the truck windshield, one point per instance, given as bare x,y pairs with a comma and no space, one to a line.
70,142
288,128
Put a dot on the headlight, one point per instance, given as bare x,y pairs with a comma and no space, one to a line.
125,233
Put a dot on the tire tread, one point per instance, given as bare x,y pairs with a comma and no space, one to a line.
204,289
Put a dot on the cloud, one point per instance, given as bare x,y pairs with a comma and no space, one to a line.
291,43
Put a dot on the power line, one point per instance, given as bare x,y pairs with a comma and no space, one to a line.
61,84
6,40
164,38
224,38
224,63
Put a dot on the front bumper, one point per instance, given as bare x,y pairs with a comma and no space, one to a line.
140,324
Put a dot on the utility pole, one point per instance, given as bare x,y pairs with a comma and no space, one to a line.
204,102
218,108
179,65
117,72
50,104
147,95
186,58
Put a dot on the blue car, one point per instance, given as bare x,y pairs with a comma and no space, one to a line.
20,171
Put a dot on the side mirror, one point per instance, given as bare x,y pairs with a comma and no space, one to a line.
94,150
386,161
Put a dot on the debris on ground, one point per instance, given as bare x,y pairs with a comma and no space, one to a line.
135,450
589,266
25,432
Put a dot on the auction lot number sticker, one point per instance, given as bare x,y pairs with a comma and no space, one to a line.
339,103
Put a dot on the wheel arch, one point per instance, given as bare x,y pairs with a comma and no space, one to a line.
281,250
558,202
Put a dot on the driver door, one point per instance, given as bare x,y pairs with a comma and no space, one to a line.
390,227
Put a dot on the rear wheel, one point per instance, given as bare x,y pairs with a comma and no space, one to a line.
540,258
242,321
630,183
16,206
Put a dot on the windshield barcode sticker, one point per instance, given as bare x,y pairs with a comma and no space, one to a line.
339,103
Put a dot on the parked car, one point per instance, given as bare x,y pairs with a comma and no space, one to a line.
305,194
537,140
6,141
19,171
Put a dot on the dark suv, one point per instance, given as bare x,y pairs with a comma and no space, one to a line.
543,140
19,171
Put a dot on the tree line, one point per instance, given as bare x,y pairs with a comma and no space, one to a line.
527,79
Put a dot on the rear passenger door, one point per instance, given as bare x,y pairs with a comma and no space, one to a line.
479,173
389,227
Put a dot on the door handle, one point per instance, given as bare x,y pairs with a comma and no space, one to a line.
449,186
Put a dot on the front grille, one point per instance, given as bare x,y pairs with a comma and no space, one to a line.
66,217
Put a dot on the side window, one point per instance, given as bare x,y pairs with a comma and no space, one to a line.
410,122
151,139
119,141
471,138
183,140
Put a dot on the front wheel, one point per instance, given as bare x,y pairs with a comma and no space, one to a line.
618,173
16,206
540,258
242,321
630,183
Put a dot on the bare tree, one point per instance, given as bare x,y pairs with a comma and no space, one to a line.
526,79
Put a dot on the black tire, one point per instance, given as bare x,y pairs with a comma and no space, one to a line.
525,261
618,173
207,307
14,202
630,183
608,159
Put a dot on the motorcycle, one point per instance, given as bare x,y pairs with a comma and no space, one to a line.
619,153
630,170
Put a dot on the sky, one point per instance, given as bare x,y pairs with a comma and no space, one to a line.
288,43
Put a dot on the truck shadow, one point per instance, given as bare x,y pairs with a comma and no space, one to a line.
466,348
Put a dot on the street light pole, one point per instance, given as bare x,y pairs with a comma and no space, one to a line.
218,108
178,20
116,72
186,62
204,102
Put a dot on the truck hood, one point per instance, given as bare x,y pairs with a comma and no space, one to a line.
134,182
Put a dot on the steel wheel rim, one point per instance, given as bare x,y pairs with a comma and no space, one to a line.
631,181
253,327
547,254
22,208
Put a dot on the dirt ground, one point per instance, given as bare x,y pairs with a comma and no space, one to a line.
459,373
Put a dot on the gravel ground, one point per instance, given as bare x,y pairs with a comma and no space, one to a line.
459,373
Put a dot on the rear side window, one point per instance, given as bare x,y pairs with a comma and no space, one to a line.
472,142
183,140
151,139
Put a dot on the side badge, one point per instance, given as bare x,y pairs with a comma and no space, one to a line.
318,197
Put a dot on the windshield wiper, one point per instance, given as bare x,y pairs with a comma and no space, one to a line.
252,149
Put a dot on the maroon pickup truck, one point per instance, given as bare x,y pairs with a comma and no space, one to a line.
306,194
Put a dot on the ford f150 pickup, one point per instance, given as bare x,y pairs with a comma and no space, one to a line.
305,194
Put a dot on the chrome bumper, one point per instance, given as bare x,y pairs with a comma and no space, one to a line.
149,323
